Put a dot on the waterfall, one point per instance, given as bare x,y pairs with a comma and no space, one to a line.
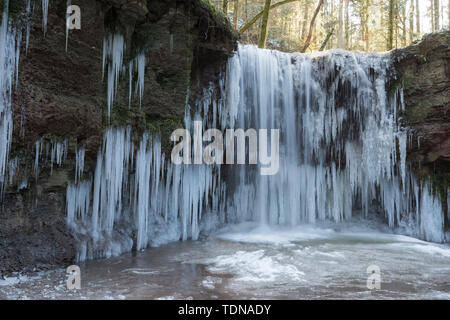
342,146
342,154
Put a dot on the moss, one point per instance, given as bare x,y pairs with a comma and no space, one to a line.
164,127
214,10
404,82
440,184
417,113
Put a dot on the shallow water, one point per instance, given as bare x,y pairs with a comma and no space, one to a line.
254,262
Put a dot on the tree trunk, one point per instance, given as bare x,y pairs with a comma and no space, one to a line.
437,25
325,41
418,18
366,23
305,19
311,27
403,21
347,24
411,21
236,13
448,12
260,14
390,37
264,24
341,25
225,7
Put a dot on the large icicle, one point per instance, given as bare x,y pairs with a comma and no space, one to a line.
67,24
140,63
113,48
9,58
44,15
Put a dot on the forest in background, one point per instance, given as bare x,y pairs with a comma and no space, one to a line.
316,25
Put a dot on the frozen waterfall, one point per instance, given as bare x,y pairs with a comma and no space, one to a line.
342,154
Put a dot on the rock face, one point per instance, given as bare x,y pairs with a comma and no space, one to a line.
424,72
61,97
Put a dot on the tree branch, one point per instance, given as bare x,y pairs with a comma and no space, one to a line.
311,26
259,15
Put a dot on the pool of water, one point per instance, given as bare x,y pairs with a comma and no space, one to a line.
253,262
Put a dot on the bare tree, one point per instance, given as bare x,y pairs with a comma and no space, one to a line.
418,18
225,6
390,37
347,24
260,14
305,19
436,15
236,13
311,27
264,23
341,24
411,21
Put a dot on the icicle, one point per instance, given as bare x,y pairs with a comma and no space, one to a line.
113,48
44,15
140,62
130,75
67,24
9,56
78,202
79,168
28,25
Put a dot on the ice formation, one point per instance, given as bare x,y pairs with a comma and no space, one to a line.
54,152
79,166
9,58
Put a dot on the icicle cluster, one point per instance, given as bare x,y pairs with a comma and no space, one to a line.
113,50
139,64
54,152
137,198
